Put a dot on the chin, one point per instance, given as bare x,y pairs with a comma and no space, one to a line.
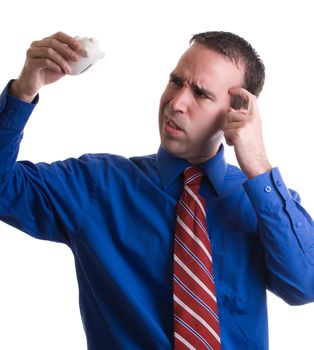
173,148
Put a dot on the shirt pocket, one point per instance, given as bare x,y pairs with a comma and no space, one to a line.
239,271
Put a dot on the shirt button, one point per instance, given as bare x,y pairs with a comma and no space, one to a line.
278,183
298,224
267,189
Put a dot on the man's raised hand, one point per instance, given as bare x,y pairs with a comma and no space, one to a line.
47,61
243,130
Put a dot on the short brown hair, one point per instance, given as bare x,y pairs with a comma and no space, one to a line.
238,50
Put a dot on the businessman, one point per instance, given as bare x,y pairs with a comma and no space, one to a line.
176,249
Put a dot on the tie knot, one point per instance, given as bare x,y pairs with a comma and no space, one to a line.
193,176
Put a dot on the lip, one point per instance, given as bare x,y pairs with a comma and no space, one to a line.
171,128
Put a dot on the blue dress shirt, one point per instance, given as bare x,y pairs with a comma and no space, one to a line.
118,217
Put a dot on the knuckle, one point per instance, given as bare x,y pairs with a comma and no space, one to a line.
50,51
51,41
46,61
29,52
59,33
34,43
55,35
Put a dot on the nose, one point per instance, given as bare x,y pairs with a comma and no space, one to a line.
180,100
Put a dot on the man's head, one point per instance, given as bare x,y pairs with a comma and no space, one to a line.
196,99
237,50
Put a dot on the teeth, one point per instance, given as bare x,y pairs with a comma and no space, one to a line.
172,124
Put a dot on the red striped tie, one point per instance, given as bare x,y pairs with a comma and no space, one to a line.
196,323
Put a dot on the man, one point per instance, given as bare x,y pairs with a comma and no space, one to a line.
122,217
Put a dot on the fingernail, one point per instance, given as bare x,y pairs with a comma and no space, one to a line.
75,57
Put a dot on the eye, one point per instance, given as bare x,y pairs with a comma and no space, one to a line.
200,93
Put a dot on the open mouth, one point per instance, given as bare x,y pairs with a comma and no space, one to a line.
172,124
171,128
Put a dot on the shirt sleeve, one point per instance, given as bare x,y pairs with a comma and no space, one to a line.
47,201
287,233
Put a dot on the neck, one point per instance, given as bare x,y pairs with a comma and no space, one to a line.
212,150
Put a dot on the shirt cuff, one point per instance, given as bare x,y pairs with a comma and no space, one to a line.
14,113
267,191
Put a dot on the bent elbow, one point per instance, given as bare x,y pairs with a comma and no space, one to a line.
300,291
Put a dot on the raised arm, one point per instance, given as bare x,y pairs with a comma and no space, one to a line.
285,228
44,200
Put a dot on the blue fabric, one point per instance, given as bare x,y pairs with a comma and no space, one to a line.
118,217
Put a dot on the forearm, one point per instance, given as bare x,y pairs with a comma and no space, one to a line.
287,233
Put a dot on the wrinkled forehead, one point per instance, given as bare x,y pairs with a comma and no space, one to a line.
201,64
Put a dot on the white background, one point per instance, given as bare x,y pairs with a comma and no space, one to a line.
113,108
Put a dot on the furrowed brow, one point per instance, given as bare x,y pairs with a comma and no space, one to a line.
175,76
203,91
198,89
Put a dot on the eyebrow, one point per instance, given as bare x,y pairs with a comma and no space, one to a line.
198,89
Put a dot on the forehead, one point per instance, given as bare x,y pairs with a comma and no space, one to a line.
201,65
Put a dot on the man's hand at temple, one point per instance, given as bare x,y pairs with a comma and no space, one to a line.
243,130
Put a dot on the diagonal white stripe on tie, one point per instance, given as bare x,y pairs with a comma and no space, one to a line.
185,342
191,193
195,278
200,319
196,239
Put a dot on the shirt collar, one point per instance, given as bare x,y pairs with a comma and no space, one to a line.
170,168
